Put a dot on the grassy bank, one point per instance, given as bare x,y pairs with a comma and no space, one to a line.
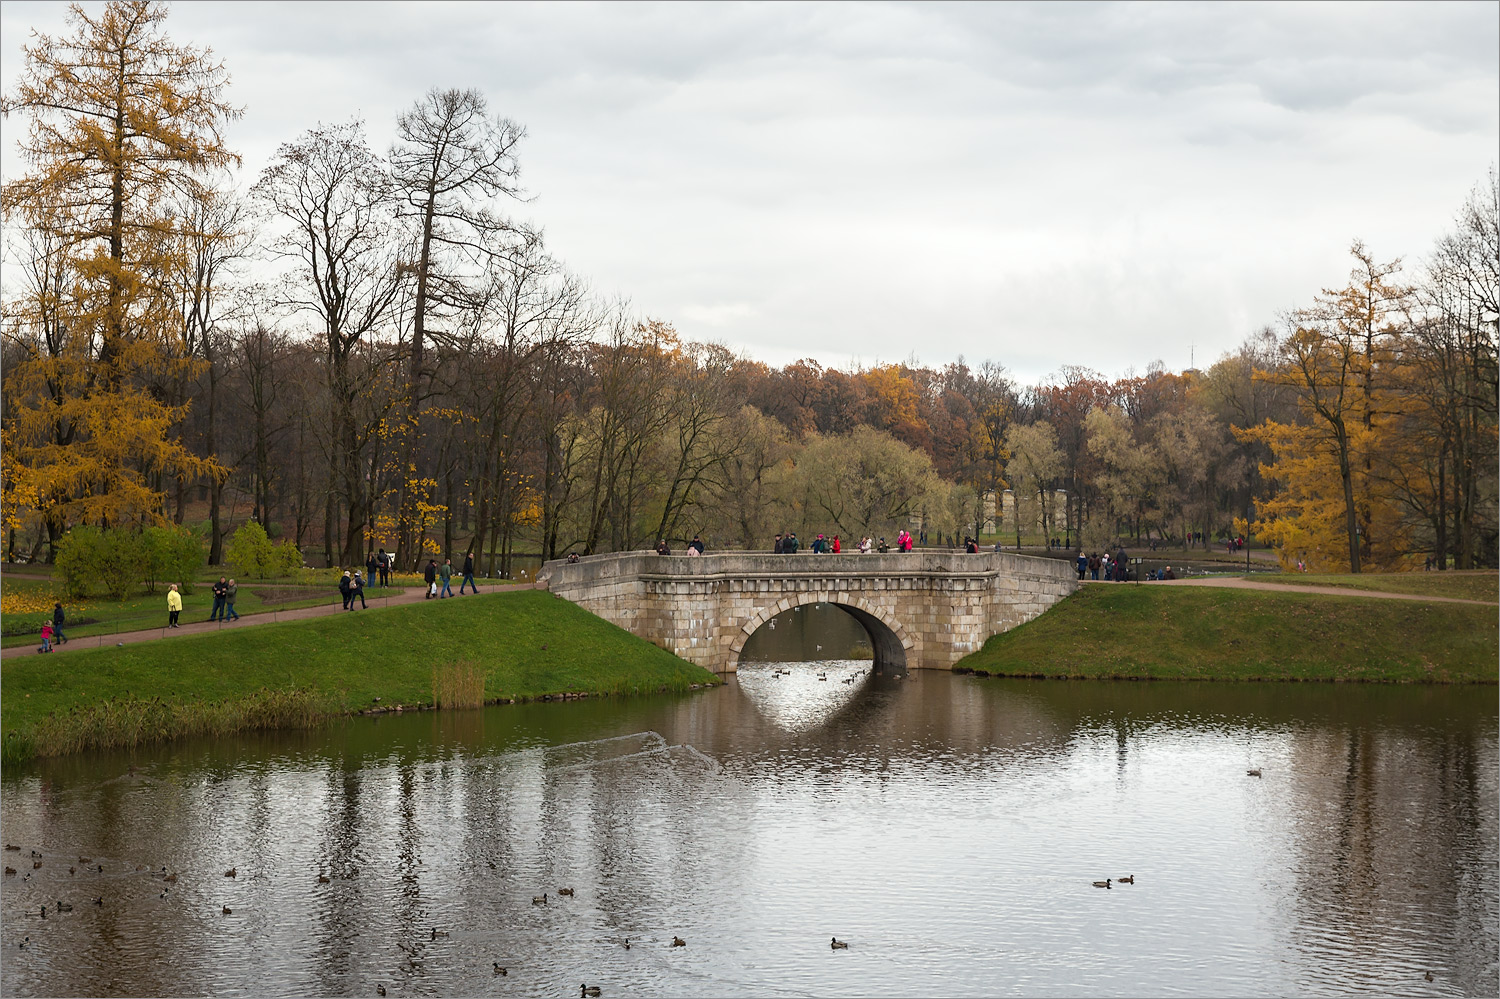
517,645
1190,633
1471,585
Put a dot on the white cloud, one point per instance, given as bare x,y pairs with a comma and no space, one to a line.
1039,184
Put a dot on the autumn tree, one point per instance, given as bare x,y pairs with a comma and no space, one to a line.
863,482
123,122
1035,463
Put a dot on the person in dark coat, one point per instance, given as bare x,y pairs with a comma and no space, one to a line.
57,624
220,588
372,568
778,548
383,563
346,589
468,579
429,576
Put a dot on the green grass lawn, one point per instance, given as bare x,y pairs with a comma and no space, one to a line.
525,643
142,611
1473,585
1186,633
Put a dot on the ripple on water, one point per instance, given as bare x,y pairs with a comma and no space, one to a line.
948,828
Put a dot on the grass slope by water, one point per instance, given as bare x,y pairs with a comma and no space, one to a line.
1467,585
1190,633
523,644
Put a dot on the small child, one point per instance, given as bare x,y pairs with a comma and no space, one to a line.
46,637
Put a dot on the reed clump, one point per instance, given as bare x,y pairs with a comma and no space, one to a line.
458,684
123,722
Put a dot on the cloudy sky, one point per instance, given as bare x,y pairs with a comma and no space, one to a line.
1040,185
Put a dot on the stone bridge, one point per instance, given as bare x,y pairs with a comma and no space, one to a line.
922,609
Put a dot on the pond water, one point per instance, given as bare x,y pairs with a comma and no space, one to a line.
948,828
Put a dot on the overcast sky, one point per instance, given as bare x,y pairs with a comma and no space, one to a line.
1034,184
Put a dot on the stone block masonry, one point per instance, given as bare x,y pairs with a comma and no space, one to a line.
922,610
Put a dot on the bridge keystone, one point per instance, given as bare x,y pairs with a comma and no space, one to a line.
921,610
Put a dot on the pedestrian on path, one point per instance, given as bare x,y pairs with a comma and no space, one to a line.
217,614
371,568
174,606
57,624
383,561
446,572
346,590
357,589
468,579
230,592
46,645
429,576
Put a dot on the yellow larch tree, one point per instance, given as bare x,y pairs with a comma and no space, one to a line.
122,124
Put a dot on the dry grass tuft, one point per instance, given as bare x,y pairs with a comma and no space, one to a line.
458,684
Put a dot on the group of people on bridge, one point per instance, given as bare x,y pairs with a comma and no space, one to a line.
787,544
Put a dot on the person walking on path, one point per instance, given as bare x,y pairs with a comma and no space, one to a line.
383,563
346,589
231,591
57,623
357,589
429,576
371,568
174,606
446,573
217,614
468,579
46,645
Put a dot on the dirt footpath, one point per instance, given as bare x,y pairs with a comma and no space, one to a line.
1234,583
412,594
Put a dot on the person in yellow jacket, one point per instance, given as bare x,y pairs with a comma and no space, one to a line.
174,605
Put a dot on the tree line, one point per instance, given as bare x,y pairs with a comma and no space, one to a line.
361,348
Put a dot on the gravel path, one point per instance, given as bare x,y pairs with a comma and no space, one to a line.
411,595
1234,583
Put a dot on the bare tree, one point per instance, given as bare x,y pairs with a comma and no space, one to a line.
343,268
450,162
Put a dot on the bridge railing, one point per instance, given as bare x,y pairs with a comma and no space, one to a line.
615,567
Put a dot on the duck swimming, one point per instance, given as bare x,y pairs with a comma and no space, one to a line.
1103,884
838,944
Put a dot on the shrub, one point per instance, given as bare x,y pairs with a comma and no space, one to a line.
79,560
251,553
173,555
286,560
89,559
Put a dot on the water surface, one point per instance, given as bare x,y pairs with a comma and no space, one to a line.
947,827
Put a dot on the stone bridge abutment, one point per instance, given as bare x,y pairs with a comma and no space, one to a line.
920,609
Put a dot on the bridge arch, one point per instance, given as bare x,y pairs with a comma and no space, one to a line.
887,635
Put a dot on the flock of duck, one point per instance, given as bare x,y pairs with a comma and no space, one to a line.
779,673
586,991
